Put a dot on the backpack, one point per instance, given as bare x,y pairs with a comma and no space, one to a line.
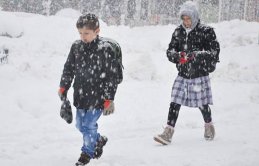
116,49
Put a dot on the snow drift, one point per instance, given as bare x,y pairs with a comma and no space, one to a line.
31,130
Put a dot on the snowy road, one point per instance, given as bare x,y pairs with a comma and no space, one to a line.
31,130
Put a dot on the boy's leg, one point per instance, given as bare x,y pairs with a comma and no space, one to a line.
99,146
166,136
87,125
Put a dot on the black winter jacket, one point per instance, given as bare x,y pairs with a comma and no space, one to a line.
202,42
96,69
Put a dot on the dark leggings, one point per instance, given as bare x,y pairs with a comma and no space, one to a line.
175,108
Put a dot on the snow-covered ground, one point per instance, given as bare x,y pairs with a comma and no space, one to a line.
32,133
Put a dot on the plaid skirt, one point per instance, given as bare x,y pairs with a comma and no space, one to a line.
192,92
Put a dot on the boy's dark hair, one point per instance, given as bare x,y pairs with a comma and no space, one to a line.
89,21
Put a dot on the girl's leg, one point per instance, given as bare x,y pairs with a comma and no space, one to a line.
209,132
173,114
166,137
206,113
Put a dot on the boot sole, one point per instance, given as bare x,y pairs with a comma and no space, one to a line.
209,138
161,141
79,164
106,140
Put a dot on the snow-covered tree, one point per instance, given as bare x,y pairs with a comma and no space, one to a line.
131,11
209,10
112,11
140,12
90,6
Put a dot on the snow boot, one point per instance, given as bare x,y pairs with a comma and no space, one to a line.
99,147
166,137
83,160
209,132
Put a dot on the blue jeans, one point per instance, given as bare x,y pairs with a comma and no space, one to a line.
86,123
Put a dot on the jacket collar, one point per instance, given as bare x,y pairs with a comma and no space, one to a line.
92,43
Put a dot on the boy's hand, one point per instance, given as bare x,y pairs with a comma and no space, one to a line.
62,93
108,107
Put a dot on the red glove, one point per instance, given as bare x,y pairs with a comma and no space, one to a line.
61,90
183,58
191,56
62,93
108,107
186,57
106,103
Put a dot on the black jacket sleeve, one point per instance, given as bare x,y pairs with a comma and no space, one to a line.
110,71
211,47
173,49
69,70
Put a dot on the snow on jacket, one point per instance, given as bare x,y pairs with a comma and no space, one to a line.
96,69
200,40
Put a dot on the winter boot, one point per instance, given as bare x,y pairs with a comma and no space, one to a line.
83,160
166,137
209,132
99,147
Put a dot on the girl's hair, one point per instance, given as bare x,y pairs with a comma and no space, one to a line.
89,21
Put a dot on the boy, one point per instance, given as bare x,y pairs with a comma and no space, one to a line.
95,64
195,50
